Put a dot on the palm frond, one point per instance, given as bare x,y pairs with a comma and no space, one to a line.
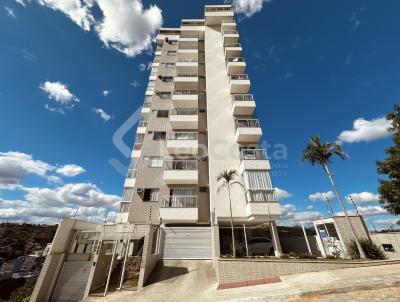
318,153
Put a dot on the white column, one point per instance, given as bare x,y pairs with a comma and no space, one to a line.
275,239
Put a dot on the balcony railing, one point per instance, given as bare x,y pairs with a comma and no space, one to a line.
233,45
180,165
187,75
185,92
251,123
179,201
137,146
239,77
192,23
235,59
194,47
183,136
242,98
253,154
261,195
142,124
230,32
184,112
147,105
131,173
218,9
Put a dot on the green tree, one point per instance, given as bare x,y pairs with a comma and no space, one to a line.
321,154
226,178
389,188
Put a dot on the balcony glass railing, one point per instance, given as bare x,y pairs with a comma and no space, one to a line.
261,195
124,206
239,77
230,32
192,23
137,146
242,98
183,136
233,45
184,111
142,124
181,201
253,123
235,59
253,154
181,165
218,9
185,92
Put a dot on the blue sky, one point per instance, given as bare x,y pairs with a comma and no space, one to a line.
317,67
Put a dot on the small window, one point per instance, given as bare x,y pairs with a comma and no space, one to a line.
162,113
164,95
387,247
167,79
151,194
203,189
159,136
155,162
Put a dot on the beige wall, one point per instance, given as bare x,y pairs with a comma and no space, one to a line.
388,238
149,260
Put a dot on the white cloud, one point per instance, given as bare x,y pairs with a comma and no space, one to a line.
310,207
10,12
282,194
248,7
321,196
142,67
104,115
386,222
127,26
364,130
59,92
23,2
70,170
367,211
106,92
363,197
77,10
291,216
14,166
134,84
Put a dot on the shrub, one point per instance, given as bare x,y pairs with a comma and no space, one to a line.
285,256
371,250
307,256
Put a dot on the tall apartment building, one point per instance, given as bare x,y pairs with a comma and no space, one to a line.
198,119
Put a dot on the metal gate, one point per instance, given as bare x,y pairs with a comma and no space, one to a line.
72,282
187,243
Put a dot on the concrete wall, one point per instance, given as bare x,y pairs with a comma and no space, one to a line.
388,238
230,270
98,276
54,260
149,260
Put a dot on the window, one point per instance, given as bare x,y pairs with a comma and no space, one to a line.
171,53
164,95
203,189
387,247
159,136
124,207
167,79
155,162
162,113
169,65
127,195
257,179
151,194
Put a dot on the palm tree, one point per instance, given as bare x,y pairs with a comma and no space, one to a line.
321,154
226,179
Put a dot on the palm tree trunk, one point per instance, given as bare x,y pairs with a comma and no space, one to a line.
233,233
353,232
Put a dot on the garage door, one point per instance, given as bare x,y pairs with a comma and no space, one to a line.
72,281
187,243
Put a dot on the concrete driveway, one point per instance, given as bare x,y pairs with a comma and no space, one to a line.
195,281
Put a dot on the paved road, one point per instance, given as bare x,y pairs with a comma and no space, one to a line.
195,281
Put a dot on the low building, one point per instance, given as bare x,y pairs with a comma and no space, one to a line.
389,243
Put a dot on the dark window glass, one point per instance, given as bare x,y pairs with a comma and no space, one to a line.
159,136
162,113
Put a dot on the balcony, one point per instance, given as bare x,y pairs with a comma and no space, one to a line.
187,66
188,42
179,209
137,150
262,202
186,81
248,131
243,104
230,37
228,26
185,99
233,50
180,172
183,143
142,127
216,14
187,54
254,159
184,118
239,83
235,65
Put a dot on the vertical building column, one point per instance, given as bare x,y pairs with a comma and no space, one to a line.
275,239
